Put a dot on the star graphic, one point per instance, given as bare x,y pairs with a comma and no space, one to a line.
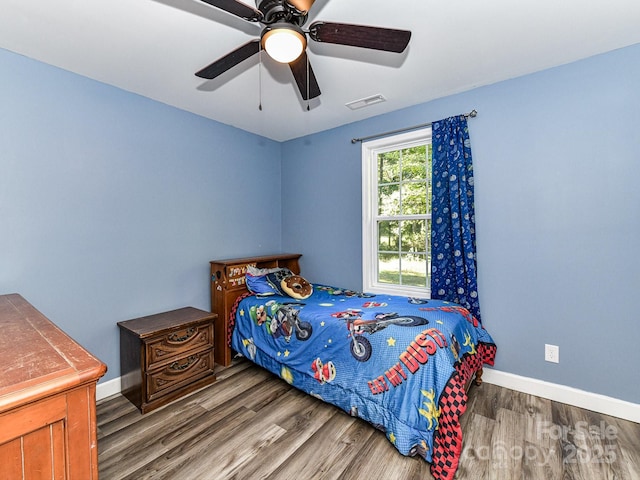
440,322
392,438
322,323
286,353
242,312
391,342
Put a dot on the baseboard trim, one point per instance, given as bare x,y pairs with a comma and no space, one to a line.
561,393
108,388
552,391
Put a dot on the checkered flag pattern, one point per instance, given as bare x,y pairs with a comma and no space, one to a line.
232,316
447,445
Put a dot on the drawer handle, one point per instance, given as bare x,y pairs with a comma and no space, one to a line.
188,334
190,361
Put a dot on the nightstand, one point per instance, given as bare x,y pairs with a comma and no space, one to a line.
165,356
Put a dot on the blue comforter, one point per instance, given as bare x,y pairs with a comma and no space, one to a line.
400,363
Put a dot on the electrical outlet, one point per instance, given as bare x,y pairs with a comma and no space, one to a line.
552,353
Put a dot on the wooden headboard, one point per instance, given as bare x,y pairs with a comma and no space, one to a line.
228,283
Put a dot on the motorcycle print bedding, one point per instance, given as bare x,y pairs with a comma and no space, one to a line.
400,363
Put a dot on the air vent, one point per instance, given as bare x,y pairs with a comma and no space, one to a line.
365,102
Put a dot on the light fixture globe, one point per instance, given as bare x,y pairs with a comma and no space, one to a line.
284,42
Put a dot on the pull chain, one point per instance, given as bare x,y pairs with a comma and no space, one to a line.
260,77
307,57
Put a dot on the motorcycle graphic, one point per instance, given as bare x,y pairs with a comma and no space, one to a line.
360,345
281,320
285,321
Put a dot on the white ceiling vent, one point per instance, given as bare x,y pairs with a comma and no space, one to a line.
365,102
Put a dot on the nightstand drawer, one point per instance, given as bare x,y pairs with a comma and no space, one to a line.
176,343
178,373
166,356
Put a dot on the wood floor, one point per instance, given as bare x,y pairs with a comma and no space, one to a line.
252,425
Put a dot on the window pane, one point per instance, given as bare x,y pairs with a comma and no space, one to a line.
414,163
414,270
389,199
414,198
388,236
389,268
414,236
389,167
396,227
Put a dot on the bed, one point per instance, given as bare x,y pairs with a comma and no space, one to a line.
402,364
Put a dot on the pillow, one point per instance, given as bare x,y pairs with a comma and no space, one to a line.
266,281
296,287
277,281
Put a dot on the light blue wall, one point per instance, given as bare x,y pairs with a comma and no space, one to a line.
556,157
112,204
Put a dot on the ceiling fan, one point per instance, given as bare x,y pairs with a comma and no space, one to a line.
285,41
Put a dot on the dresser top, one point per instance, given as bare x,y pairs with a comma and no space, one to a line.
163,322
37,357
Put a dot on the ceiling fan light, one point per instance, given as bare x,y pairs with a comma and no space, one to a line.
284,44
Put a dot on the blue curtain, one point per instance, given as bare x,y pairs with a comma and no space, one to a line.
453,233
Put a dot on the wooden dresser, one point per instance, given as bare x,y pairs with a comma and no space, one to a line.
228,283
165,356
47,398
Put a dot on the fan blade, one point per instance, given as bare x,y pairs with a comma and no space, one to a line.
376,38
300,73
237,8
230,60
301,5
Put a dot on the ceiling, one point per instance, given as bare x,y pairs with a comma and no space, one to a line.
154,47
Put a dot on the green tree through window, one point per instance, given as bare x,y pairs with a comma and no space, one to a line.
397,192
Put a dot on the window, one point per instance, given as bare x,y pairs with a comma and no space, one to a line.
396,203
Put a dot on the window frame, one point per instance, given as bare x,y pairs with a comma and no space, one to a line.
370,151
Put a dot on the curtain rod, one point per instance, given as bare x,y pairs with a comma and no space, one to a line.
471,114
